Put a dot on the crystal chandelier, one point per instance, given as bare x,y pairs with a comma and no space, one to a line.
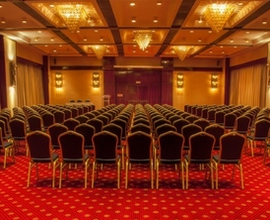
182,51
73,15
217,15
143,38
99,50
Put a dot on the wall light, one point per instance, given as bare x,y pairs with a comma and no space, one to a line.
214,80
96,80
58,80
180,81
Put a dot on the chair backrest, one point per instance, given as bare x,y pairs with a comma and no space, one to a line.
87,131
98,124
231,147
54,131
5,119
105,146
161,121
141,127
82,118
115,129
71,123
48,119
211,114
164,128
229,120
74,112
192,118
103,118
170,146
217,131
173,118
219,117
35,123
203,123
189,130
201,147
139,147
179,124
90,115
3,129
72,146
141,121
17,128
261,128
242,124
59,116
185,115
39,145
122,124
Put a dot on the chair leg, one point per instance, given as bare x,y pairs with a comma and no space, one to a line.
186,165
211,173
29,173
60,177
5,158
53,175
216,167
157,173
93,174
182,172
119,173
85,173
242,176
127,173
151,173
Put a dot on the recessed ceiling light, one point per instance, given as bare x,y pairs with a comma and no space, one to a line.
191,32
159,3
1,6
240,3
96,31
199,40
101,39
223,52
210,51
247,40
54,50
200,20
52,39
264,21
247,32
36,39
85,39
52,5
39,32
46,45
235,47
133,19
155,20
221,46
24,21
231,40
210,32
60,45
132,3
3,21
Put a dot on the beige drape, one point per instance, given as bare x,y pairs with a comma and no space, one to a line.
248,86
29,85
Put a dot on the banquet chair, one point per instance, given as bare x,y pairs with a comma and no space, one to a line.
96,123
54,131
72,152
164,128
103,118
6,121
5,135
123,125
260,134
203,123
105,152
87,131
192,118
141,127
141,121
231,148
40,151
35,123
229,121
82,119
7,148
217,131
71,123
59,117
178,124
74,112
189,130
170,146
201,147
219,117
139,150
48,120
18,133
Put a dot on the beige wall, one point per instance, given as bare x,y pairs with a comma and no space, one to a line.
76,85
197,89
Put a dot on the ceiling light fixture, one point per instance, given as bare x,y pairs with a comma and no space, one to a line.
217,15
24,21
155,20
182,51
200,20
159,3
3,21
264,21
73,15
132,3
133,19
99,50
143,38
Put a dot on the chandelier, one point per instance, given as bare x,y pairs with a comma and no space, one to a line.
99,50
73,15
182,51
217,15
143,38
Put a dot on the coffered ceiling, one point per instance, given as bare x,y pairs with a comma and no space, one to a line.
177,23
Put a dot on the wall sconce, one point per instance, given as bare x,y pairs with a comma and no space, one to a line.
214,80
96,80
58,80
180,81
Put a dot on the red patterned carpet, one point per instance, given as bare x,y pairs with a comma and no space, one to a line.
40,201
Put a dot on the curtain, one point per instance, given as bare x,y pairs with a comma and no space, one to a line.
29,85
248,86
